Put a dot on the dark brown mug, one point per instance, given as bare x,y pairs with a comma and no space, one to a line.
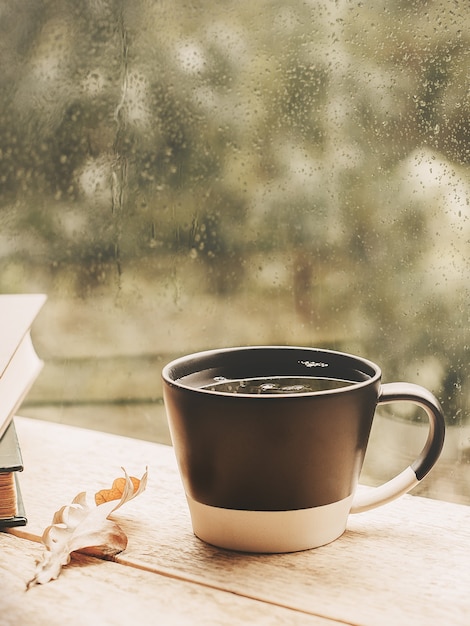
270,442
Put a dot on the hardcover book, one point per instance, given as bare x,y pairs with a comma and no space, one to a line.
11,504
19,368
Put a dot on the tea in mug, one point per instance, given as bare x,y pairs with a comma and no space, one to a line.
276,385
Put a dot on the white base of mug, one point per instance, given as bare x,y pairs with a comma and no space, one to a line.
269,531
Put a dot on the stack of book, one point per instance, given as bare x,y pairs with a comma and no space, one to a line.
19,368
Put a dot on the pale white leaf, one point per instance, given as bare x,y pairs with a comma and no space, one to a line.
81,526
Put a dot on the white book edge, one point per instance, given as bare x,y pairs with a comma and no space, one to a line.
17,314
16,381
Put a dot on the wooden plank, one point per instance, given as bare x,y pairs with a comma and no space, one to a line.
92,591
403,563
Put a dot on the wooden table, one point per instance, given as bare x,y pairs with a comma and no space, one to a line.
405,563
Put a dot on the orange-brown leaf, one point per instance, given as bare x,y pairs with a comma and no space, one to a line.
116,491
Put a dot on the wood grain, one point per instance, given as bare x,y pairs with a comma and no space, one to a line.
92,591
404,563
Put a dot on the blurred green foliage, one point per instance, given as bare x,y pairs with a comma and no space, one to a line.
331,135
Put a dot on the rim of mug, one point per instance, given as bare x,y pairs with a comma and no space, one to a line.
176,382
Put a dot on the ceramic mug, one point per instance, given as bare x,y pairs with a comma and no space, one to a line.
270,442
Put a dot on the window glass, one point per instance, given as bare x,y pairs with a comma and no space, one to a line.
179,176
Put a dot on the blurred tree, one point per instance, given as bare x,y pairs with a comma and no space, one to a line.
219,131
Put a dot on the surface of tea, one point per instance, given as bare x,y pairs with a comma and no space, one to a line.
277,385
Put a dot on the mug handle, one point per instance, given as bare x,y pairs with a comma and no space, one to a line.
413,474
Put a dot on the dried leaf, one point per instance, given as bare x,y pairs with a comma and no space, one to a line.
84,527
116,491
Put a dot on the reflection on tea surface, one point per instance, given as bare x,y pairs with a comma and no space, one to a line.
277,385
